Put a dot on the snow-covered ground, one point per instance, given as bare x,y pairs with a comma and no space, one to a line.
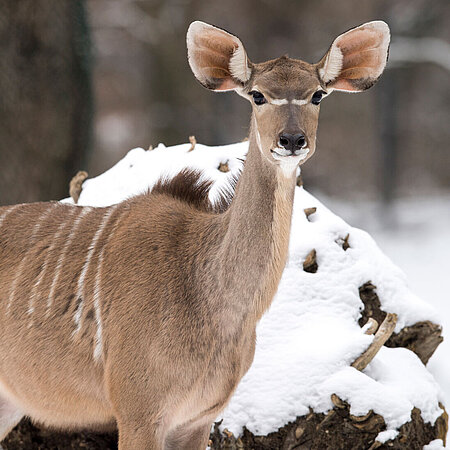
308,339
416,236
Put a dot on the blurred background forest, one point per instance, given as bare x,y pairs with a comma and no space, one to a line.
82,82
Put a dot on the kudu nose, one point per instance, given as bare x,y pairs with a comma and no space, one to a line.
292,142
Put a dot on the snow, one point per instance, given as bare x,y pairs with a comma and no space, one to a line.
384,436
437,444
417,238
308,339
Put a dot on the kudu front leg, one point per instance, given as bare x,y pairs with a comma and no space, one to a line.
189,438
143,436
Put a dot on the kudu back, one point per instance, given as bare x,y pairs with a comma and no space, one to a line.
142,315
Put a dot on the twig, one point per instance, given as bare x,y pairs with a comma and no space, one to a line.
223,167
193,142
382,335
310,264
309,211
75,185
372,326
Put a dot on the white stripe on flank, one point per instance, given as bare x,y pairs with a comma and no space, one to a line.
44,267
299,102
36,228
60,262
80,290
98,349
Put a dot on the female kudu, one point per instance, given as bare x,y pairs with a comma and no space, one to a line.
143,314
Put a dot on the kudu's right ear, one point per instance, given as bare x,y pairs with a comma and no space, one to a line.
217,58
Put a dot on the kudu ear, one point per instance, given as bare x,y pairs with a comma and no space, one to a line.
217,58
357,58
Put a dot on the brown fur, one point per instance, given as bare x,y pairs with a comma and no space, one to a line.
143,314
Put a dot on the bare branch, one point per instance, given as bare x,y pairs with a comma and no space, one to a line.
372,326
193,142
309,211
382,335
76,185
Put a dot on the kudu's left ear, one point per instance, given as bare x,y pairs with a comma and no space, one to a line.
357,58
217,58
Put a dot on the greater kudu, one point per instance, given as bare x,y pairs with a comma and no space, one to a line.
143,314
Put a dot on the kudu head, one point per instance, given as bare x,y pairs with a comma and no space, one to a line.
285,93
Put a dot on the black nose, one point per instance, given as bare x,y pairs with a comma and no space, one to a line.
292,142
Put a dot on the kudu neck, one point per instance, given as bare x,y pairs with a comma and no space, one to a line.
257,227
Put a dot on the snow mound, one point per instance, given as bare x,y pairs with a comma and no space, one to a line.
310,335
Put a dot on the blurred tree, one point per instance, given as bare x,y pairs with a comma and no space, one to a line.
145,92
45,106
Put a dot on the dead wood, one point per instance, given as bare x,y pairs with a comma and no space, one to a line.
310,264
223,167
422,338
343,242
372,326
381,336
193,142
76,185
309,211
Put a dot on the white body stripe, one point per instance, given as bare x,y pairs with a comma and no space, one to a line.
62,257
80,289
18,275
44,268
98,349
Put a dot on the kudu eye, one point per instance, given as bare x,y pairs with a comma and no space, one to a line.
258,98
317,97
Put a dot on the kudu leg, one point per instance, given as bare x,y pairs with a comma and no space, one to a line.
139,418
193,437
142,438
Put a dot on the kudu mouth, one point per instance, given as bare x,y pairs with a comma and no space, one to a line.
281,154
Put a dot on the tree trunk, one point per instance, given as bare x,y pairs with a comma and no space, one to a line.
46,106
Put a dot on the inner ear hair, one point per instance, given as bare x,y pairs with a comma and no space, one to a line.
357,58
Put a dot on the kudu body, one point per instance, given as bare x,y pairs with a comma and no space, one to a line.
143,314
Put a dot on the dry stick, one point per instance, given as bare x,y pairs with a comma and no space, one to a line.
373,326
309,211
375,445
75,185
193,142
223,167
382,335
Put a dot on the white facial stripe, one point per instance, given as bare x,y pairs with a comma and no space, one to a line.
299,102
279,101
284,101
